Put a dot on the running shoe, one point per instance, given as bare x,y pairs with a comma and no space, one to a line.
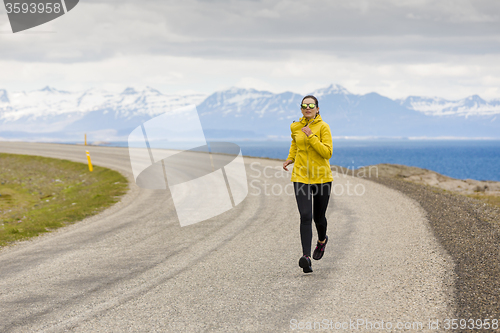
305,263
319,250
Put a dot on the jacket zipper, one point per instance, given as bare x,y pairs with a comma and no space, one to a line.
307,152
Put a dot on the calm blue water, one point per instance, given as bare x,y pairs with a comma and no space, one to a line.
474,159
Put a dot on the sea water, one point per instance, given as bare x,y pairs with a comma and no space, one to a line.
462,159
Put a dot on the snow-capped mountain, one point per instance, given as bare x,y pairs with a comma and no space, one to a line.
49,102
49,114
333,89
242,113
435,106
53,114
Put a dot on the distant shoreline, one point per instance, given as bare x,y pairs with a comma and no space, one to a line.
287,139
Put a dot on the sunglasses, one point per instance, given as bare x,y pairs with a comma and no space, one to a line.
310,105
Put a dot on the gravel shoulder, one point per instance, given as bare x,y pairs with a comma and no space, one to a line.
468,229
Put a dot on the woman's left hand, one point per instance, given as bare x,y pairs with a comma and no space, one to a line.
307,130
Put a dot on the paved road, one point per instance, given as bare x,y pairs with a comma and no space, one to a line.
133,268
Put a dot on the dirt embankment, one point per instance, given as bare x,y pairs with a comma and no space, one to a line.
428,177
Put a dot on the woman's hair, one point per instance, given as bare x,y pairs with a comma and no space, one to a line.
315,99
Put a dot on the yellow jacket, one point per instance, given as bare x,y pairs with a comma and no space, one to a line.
311,154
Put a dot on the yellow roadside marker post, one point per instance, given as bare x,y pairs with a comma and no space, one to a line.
90,162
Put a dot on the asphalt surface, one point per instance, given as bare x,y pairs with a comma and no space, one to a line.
134,268
469,230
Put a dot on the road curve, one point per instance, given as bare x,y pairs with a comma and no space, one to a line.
133,268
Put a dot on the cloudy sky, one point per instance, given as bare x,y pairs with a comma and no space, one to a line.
446,48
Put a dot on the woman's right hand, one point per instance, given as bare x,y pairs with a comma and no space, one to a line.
287,163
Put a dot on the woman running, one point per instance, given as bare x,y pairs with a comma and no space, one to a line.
312,178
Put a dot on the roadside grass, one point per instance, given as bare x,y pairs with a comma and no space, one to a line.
489,199
493,200
39,194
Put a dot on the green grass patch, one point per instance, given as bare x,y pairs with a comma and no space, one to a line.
39,194
493,200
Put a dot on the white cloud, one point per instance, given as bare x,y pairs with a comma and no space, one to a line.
301,73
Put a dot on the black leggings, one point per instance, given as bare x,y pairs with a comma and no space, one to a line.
309,208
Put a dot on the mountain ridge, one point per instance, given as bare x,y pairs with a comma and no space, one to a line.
240,113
